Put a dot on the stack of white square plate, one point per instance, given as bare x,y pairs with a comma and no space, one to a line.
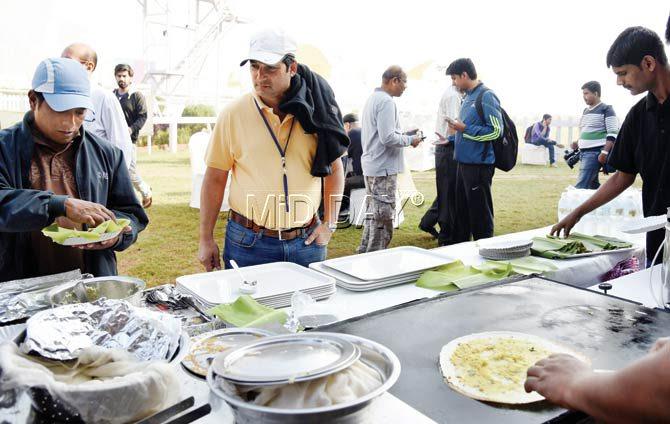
275,284
505,249
383,268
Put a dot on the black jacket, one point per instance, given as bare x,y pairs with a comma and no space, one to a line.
312,101
134,107
102,177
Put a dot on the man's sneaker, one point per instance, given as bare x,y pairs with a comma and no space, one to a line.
432,231
560,146
553,165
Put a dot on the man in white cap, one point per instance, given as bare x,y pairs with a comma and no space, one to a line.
272,157
51,170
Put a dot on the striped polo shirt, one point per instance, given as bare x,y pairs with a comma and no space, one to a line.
597,124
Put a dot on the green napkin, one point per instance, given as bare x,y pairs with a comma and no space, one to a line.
59,234
455,275
246,312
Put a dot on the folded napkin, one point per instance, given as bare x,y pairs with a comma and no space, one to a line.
246,312
455,275
60,234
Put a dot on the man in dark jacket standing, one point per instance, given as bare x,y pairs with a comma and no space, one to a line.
134,107
51,170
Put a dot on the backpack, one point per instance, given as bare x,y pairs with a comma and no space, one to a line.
506,147
528,136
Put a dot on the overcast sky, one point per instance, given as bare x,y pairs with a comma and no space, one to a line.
535,58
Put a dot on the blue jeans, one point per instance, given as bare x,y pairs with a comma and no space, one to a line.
588,169
248,248
550,146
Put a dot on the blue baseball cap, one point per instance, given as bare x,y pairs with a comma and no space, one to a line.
64,84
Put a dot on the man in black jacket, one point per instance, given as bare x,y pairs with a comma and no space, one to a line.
134,108
51,170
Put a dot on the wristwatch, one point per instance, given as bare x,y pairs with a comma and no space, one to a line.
332,226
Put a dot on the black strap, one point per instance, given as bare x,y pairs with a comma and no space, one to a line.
282,152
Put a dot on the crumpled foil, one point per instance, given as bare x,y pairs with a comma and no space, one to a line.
61,333
23,298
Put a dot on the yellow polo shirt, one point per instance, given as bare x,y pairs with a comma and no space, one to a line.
242,145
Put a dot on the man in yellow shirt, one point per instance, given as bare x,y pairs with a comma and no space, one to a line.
274,196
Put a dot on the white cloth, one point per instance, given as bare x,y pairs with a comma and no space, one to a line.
450,106
345,386
108,121
103,385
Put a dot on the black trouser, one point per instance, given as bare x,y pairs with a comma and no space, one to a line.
351,183
443,209
474,204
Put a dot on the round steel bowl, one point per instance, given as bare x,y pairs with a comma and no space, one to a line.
113,287
373,354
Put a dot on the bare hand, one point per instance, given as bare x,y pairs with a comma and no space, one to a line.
321,235
574,145
102,245
456,125
440,137
208,255
84,212
602,158
417,140
556,377
662,343
566,224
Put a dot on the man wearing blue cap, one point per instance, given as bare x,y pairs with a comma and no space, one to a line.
51,170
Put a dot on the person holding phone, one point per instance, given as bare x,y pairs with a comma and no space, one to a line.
443,211
382,160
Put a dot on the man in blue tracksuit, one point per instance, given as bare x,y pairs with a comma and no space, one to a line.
473,151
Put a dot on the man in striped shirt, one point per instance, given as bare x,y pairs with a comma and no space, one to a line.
598,129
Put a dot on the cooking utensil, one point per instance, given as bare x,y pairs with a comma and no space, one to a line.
246,287
373,354
169,412
193,415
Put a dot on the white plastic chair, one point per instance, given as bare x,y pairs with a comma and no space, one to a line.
197,148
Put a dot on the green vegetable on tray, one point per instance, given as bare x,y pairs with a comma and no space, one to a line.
60,235
563,248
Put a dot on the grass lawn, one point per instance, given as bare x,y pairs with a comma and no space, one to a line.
524,198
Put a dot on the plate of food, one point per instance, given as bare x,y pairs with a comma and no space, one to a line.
206,346
69,237
492,366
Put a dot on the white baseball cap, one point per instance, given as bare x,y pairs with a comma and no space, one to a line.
269,46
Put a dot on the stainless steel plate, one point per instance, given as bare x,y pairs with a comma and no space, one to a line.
205,347
286,359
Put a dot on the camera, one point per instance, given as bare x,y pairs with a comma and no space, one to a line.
571,157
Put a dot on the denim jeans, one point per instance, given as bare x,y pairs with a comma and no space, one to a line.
588,169
550,146
248,248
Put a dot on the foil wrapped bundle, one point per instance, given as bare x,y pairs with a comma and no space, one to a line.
23,298
61,333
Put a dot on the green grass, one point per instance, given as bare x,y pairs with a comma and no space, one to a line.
524,198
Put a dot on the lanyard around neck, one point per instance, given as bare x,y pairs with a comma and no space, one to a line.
282,152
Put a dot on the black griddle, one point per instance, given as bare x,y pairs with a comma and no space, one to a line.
609,330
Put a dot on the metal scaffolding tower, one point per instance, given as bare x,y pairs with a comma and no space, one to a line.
178,36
